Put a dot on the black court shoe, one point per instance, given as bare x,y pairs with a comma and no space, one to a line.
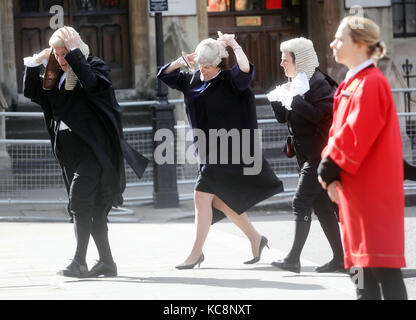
75,270
191,265
263,243
286,265
103,269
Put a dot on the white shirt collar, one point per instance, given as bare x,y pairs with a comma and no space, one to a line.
358,68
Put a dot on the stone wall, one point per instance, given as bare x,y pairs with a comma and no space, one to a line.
8,88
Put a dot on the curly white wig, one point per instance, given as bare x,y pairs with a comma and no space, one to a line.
305,56
210,52
56,42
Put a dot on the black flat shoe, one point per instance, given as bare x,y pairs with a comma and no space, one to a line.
74,270
191,265
331,266
289,266
103,269
263,243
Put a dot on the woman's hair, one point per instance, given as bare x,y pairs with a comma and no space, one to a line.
210,52
366,31
303,54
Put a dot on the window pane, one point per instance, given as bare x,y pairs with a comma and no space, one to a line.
398,21
241,5
218,5
411,18
86,4
47,4
273,4
29,5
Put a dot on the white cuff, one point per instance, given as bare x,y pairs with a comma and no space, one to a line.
32,61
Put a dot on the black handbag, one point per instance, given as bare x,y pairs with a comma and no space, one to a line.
289,148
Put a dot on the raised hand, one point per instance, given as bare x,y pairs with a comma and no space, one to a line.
190,58
70,38
227,39
44,54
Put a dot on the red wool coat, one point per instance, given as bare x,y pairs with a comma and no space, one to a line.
365,142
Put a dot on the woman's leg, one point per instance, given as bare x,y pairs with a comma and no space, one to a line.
99,232
203,219
241,221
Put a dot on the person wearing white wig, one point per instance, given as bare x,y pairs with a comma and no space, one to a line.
305,104
83,120
221,99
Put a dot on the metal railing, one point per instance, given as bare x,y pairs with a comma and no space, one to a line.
35,176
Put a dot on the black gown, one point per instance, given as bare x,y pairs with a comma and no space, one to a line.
94,116
225,102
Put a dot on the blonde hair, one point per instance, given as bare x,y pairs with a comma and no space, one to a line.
366,31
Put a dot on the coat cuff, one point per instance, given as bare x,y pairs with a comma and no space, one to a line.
329,170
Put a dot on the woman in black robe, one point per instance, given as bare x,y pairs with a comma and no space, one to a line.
305,104
218,99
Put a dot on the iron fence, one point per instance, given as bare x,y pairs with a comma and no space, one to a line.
34,176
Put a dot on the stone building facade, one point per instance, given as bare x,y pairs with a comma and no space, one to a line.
318,20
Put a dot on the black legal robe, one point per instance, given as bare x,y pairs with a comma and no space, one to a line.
226,102
93,114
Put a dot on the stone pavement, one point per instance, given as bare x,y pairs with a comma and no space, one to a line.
146,253
36,242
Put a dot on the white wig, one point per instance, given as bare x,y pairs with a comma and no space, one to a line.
56,42
305,56
210,52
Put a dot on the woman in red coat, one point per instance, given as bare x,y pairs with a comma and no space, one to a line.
362,165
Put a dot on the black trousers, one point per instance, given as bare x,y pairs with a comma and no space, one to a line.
378,283
310,196
82,172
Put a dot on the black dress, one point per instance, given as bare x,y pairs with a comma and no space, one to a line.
225,102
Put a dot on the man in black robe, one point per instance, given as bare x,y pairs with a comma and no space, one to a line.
83,119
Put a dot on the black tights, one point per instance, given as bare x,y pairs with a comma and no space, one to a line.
84,226
378,283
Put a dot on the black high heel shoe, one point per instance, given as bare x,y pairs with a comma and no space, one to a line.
191,265
263,243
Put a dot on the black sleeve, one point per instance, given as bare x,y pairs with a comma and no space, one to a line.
329,170
86,73
319,105
33,85
409,171
280,112
175,79
241,80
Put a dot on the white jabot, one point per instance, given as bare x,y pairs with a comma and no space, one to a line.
285,92
358,68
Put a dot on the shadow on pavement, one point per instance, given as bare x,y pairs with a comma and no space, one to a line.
409,273
215,282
